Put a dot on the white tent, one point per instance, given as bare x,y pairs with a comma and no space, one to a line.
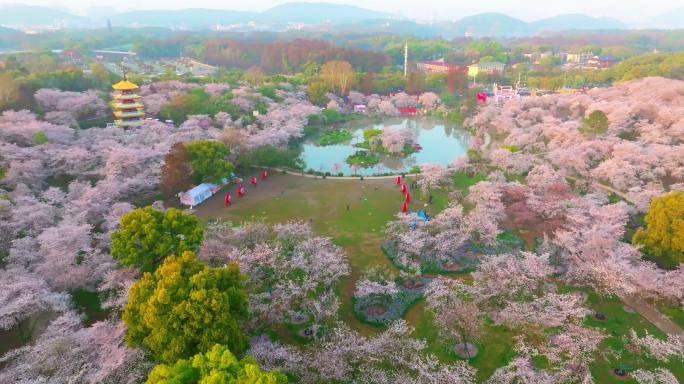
197,194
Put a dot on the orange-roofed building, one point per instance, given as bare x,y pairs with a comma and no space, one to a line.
128,110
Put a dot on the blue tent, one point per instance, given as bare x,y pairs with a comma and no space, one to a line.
423,215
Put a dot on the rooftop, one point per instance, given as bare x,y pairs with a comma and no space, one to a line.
125,85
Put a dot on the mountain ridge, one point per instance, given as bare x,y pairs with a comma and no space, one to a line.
295,14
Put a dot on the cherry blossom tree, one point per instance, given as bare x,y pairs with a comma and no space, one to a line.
432,176
385,107
456,313
79,104
68,352
659,349
270,257
395,139
656,376
24,294
389,357
429,100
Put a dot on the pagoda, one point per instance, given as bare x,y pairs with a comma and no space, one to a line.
128,111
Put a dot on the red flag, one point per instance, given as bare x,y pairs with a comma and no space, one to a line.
404,207
403,188
254,181
240,190
398,180
408,197
227,197
264,174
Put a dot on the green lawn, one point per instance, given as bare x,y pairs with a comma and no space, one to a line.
495,348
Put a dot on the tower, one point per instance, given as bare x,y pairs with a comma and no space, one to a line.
406,58
125,105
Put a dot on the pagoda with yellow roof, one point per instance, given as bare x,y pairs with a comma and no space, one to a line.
128,110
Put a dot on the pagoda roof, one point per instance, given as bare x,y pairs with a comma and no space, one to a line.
127,105
124,114
126,96
124,85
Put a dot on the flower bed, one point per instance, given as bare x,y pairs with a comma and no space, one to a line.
384,309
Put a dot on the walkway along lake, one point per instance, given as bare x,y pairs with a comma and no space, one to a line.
441,143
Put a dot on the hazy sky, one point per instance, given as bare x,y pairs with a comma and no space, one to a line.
627,10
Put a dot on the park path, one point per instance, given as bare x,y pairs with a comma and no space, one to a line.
652,314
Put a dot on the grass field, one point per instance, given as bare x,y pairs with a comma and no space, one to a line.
359,230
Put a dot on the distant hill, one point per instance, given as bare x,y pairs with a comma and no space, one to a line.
196,18
310,13
320,12
670,20
575,21
28,15
488,24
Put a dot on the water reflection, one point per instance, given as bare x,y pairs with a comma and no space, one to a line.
442,142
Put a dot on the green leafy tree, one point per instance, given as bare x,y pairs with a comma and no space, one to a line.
208,160
218,365
40,138
663,237
594,124
185,307
146,236
317,91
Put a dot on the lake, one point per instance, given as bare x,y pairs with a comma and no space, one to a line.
442,142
